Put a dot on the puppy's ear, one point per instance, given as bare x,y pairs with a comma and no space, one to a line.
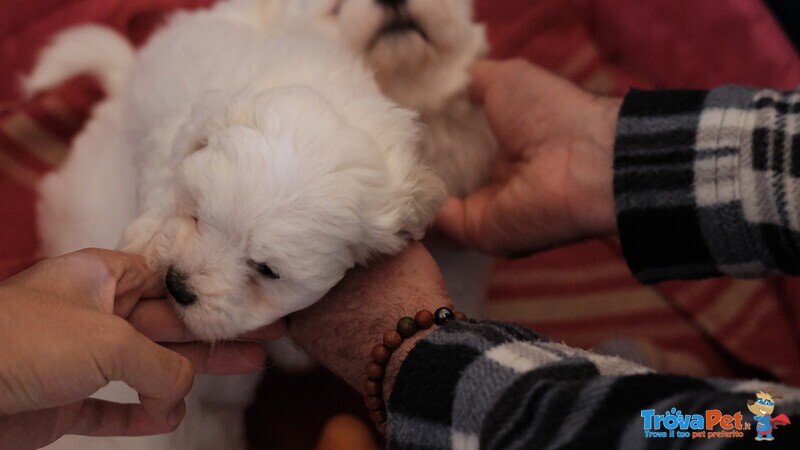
206,117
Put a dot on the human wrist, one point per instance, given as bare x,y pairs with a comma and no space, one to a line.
597,214
341,330
430,302
381,372
398,357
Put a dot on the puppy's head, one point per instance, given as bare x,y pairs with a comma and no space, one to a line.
276,197
420,50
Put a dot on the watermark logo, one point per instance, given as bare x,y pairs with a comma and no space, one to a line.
762,410
714,424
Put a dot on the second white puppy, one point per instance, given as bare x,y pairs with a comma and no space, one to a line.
420,52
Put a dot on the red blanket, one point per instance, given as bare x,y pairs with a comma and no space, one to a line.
582,294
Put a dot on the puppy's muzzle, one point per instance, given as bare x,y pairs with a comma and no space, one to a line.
178,287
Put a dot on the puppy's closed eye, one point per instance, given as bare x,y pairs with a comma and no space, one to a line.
199,144
264,270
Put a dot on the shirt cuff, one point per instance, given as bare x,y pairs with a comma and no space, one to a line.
677,184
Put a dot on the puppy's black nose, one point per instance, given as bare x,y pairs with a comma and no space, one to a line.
391,3
178,288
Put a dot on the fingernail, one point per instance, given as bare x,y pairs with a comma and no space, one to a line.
177,414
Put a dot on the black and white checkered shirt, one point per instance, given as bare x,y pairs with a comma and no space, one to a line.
706,183
483,385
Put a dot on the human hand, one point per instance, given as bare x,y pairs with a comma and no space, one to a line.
156,318
340,330
63,336
552,183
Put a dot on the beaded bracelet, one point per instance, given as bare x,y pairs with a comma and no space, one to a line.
381,353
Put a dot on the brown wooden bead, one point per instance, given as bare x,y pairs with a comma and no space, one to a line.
373,387
406,327
392,339
378,416
424,319
381,354
375,371
381,427
373,402
460,316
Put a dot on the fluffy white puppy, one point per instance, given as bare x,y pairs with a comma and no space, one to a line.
267,164
420,52
252,165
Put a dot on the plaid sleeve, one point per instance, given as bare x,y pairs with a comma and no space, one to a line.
708,183
483,385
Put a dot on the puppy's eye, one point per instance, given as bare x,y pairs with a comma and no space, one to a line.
265,270
200,144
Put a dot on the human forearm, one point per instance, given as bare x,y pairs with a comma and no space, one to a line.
341,330
704,183
489,385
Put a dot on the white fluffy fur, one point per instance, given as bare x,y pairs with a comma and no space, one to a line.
91,48
278,142
261,147
425,69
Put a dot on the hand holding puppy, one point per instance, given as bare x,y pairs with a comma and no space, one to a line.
63,336
552,183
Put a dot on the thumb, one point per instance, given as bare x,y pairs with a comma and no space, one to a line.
160,376
481,74
450,219
463,219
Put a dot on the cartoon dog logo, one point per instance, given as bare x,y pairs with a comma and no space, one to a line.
762,411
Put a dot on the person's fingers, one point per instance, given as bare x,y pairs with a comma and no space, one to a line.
128,270
158,320
133,273
134,278
486,73
155,287
450,219
113,280
481,75
227,358
160,376
102,418
503,169
268,333
462,219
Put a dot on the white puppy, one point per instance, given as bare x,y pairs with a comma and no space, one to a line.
256,164
420,52
268,164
